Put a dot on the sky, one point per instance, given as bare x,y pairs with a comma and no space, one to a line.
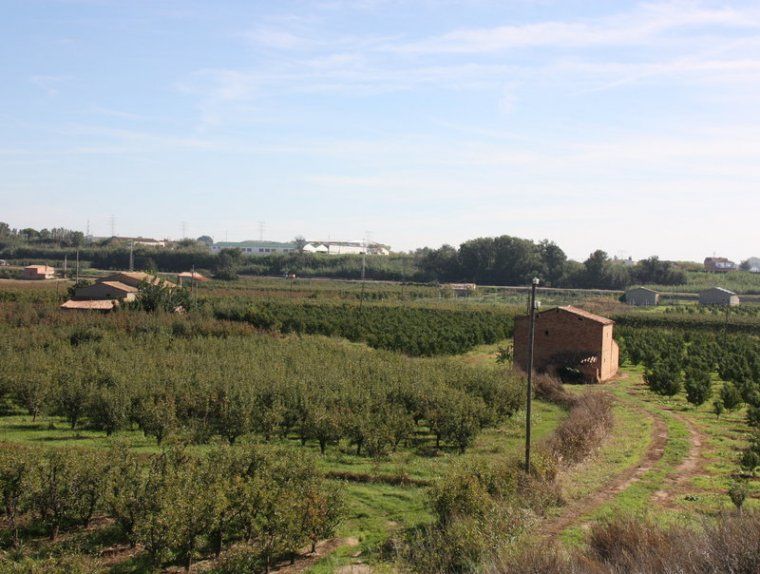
633,127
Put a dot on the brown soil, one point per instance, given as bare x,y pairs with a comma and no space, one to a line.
691,466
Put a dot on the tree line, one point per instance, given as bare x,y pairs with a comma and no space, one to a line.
502,260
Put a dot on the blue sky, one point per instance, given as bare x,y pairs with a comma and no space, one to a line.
632,127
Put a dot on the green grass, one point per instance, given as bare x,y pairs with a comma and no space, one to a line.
623,448
636,498
375,509
704,494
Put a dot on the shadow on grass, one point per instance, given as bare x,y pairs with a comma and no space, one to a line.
61,438
140,564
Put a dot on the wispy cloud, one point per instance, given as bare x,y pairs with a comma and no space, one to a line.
50,84
647,23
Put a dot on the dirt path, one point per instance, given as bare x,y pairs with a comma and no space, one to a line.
691,466
579,508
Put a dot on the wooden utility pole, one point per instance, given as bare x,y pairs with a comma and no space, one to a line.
529,397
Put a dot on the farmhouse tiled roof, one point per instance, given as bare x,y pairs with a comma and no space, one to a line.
587,315
96,305
120,286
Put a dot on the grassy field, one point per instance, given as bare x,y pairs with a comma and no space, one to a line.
702,487
383,495
388,495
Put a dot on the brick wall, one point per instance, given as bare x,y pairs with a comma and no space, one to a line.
564,338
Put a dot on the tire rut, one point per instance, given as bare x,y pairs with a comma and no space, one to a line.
579,508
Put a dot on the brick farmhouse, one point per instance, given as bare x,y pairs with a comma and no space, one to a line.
38,272
570,340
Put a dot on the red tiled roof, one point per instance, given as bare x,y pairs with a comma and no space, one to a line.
96,305
43,268
587,315
120,286
190,275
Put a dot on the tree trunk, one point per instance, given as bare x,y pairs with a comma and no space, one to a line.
217,541
322,446
313,546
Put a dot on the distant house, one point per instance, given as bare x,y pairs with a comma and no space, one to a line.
107,293
461,289
642,297
568,341
190,276
38,272
719,265
718,296
106,290
103,305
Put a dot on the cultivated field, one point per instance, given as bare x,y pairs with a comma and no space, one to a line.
302,426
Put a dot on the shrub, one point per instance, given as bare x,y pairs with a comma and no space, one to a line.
698,386
664,378
590,419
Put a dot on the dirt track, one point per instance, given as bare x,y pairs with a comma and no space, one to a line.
689,468
574,512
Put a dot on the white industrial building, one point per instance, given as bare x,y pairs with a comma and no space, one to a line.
326,247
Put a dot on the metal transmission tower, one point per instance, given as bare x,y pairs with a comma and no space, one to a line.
533,308
112,221
261,230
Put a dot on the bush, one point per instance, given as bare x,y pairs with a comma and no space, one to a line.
589,421
698,386
664,378
625,544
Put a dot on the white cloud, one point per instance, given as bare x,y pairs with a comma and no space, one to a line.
50,84
642,26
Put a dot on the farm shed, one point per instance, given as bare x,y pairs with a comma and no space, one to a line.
642,297
191,276
135,278
719,265
38,272
107,290
99,305
569,342
718,296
